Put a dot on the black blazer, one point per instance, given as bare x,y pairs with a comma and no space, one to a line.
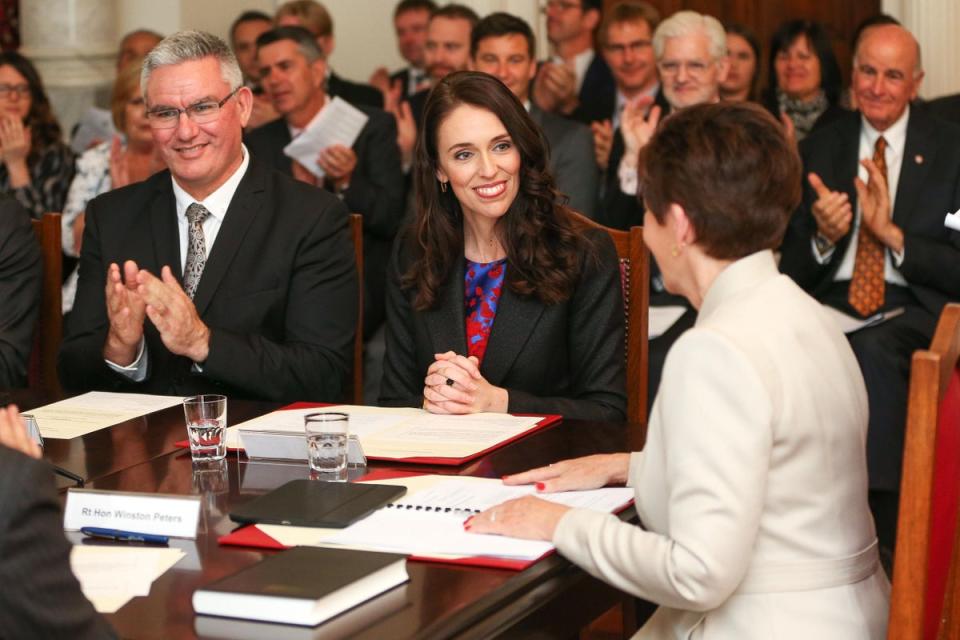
566,358
598,93
376,192
928,188
353,92
40,597
278,292
21,273
572,161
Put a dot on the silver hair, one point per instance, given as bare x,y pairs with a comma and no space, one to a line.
183,46
685,23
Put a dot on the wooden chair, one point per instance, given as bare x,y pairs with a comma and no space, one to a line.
930,486
353,394
46,341
634,276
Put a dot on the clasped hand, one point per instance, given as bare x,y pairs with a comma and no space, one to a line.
139,294
454,385
536,519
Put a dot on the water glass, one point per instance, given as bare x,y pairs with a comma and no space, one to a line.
33,430
327,444
206,417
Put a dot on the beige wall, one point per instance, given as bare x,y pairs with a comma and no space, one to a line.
364,28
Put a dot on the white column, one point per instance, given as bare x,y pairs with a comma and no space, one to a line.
935,24
72,43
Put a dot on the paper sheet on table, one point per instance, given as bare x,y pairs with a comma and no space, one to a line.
660,319
435,534
110,576
405,433
339,123
849,324
78,416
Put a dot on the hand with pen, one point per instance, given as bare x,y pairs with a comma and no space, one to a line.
535,519
13,434
454,385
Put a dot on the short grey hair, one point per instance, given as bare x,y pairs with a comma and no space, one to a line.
686,23
184,46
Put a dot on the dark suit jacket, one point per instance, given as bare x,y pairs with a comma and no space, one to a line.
40,597
928,188
278,291
565,358
353,92
572,161
618,209
947,107
21,274
598,93
376,192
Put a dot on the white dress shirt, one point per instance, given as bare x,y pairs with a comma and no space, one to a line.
217,204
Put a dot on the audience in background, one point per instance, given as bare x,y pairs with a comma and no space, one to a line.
804,77
367,177
503,46
110,165
243,40
575,81
410,20
743,78
870,237
491,246
36,167
20,275
315,18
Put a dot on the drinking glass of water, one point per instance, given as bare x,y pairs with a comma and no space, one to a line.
206,417
327,444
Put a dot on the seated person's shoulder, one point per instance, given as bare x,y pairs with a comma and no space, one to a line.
294,198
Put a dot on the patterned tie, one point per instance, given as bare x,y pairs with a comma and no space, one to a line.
867,284
196,248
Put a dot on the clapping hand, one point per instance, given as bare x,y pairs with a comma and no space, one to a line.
14,140
454,385
875,207
173,314
638,126
125,312
602,142
338,162
832,210
555,88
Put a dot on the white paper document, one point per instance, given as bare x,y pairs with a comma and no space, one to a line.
78,416
110,576
404,432
849,324
339,123
660,319
434,531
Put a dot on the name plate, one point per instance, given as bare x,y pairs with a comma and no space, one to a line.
288,445
163,515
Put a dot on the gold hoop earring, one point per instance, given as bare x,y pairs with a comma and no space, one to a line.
443,186
676,250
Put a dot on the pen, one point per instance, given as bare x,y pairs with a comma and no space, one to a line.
123,536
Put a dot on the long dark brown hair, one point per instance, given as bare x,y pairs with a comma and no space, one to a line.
538,233
44,128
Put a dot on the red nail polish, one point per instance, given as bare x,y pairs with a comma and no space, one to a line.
540,486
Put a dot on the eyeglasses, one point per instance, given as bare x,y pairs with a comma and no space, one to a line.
11,90
200,113
695,68
634,47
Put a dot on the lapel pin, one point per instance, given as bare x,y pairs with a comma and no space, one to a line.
918,159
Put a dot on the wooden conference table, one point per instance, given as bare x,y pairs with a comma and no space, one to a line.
550,599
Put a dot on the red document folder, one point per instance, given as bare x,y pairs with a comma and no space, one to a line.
251,536
547,421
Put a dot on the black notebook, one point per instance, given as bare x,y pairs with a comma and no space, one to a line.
311,503
302,586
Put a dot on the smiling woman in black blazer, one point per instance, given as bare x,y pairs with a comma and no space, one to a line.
498,299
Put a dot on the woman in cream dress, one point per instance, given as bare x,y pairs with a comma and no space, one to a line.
752,486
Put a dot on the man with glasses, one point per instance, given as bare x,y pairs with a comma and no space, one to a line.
575,82
366,176
218,275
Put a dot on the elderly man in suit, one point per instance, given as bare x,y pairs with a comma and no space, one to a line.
20,278
222,275
503,46
366,176
41,597
869,236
